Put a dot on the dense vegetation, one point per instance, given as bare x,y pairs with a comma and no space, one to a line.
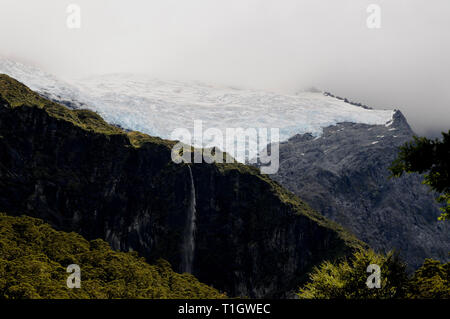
347,279
34,257
432,157
432,280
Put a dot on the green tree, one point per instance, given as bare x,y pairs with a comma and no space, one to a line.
432,280
347,279
423,155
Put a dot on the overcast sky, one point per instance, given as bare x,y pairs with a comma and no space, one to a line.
278,45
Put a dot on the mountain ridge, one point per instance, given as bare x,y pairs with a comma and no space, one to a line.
157,108
344,175
253,238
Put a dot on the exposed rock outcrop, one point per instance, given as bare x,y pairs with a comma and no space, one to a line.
344,175
81,174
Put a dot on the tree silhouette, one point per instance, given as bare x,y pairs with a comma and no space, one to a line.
431,157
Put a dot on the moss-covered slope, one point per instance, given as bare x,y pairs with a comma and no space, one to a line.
81,174
34,258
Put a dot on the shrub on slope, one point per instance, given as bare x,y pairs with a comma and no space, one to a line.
347,279
34,257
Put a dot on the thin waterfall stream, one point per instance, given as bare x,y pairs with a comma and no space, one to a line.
189,231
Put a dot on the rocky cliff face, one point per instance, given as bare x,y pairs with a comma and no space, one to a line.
70,168
344,175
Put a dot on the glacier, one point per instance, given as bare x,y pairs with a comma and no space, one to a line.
156,107
44,83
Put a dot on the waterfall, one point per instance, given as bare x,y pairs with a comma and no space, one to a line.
189,231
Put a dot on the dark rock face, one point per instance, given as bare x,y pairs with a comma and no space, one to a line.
344,175
252,237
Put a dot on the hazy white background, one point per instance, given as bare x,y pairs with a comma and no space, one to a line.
278,45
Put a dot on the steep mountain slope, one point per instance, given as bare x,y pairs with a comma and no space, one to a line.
34,258
72,169
344,175
156,107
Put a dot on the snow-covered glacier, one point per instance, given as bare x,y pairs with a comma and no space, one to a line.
44,83
155,107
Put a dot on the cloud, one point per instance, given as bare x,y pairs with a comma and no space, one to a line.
274,45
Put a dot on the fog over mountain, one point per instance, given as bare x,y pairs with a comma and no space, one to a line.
282,46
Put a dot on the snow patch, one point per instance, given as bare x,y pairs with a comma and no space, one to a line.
158,107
